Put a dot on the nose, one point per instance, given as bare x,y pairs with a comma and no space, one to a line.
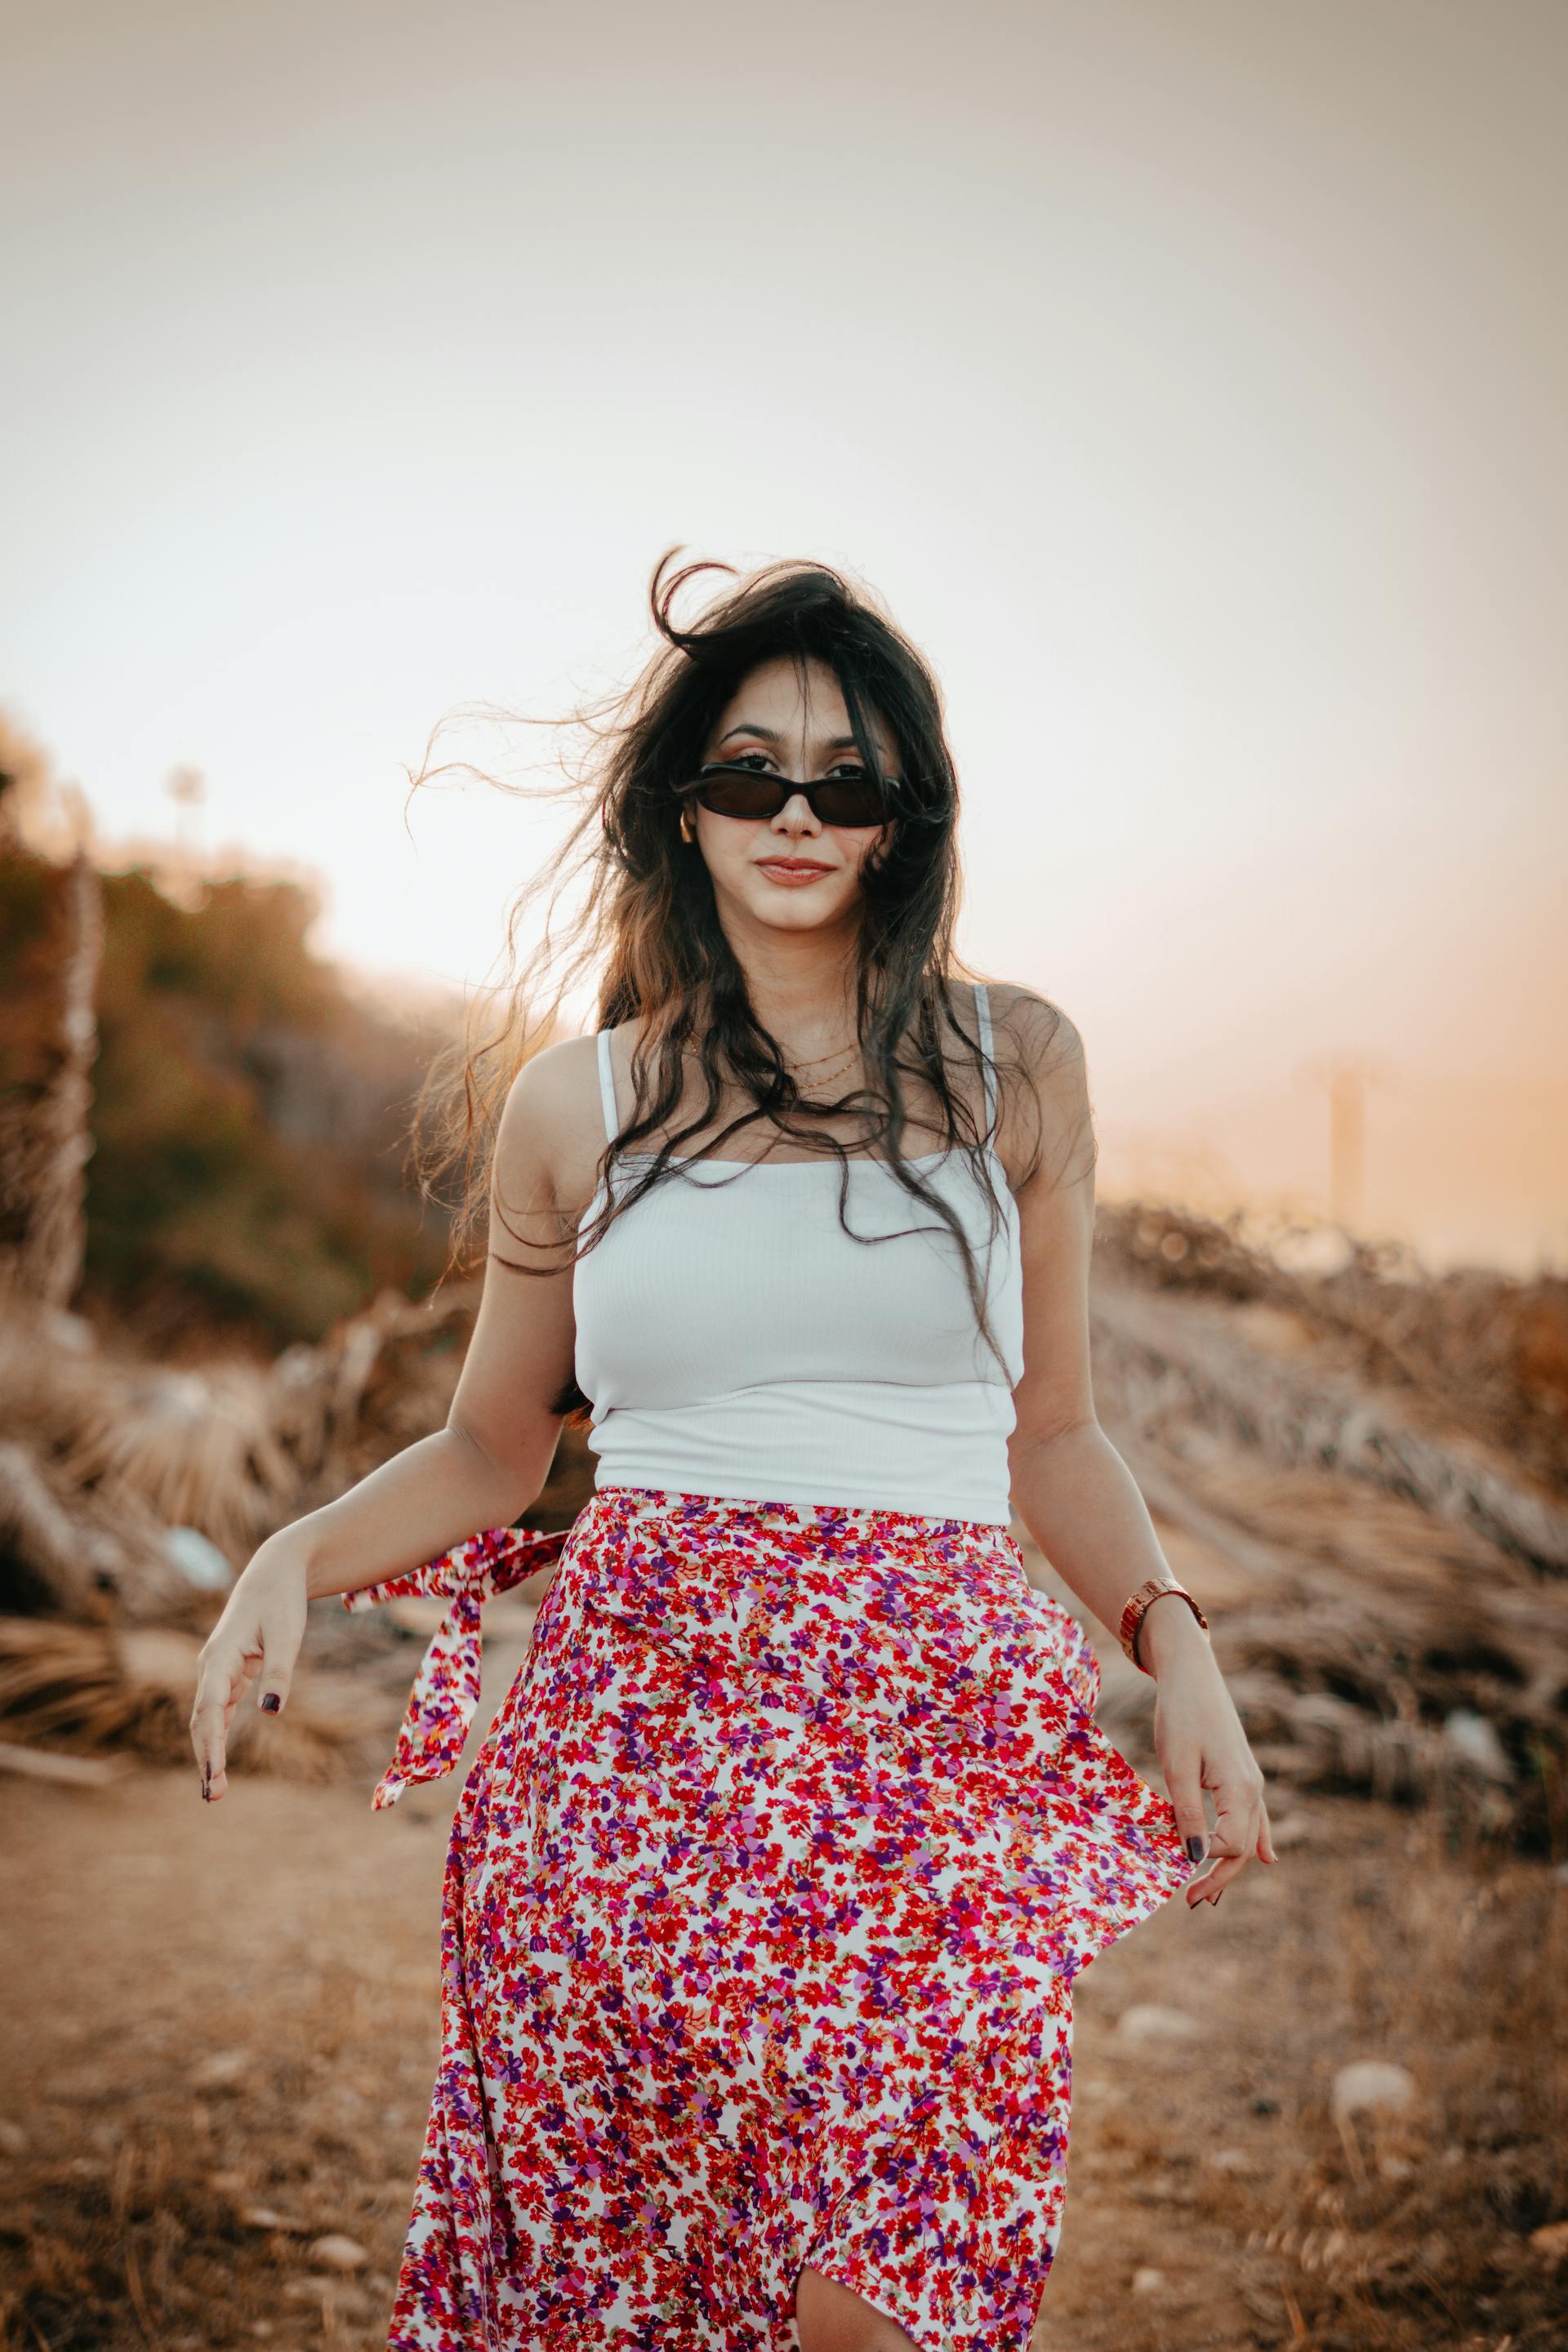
797,815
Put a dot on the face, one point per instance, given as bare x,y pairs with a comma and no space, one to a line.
790,872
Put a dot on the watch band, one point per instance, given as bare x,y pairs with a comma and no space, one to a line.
1132,1615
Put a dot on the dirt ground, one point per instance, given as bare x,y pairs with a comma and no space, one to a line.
222,2027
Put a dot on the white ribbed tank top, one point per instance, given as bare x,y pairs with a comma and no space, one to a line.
736,1341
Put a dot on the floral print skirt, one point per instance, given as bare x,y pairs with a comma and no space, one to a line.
763,1904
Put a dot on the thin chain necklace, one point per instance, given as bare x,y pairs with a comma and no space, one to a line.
843,1054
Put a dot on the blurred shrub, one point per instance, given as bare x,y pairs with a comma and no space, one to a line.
247,1178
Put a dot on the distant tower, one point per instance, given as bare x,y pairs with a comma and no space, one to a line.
1347,1145
1347,1080
187,788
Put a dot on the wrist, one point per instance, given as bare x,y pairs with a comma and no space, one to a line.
1170,1633
286,1558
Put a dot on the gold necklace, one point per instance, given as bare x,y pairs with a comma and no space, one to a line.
843,1054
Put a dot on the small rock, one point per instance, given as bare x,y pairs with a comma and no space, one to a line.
1150,2020
338,2296
13,2138
1371,2087
336,2252
1228,2159
221,2071
1550,2241
1472,1739
265,2217
1396,2168
1148,2282
198,1559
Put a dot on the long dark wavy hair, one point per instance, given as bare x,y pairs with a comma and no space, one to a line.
645,918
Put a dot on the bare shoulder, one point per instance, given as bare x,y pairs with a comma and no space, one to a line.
552,1131
1046,1125
1042,1037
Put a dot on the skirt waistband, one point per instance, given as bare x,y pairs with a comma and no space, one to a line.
942,1599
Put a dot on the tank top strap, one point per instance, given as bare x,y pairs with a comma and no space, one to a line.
607,1088
982,1016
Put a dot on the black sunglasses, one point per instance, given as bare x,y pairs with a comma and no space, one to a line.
730,789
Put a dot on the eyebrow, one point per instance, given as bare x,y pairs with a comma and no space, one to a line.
768,735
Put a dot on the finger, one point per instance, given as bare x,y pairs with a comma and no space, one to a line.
1186,1790
1235,1838
280,1647
213,1705
225,1672
1265,1837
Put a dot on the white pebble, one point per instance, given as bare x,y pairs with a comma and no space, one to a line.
221,2071
1150,2020
1472,1739
1371,2087
336,2252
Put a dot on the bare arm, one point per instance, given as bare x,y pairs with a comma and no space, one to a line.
1072,1487
482,1470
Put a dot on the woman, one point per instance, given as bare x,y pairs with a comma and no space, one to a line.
766,1891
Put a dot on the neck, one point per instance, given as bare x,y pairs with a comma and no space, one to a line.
802,984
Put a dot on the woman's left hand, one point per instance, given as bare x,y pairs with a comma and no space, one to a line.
1201,1745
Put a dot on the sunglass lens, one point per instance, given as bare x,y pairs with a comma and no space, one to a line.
851,801
738,794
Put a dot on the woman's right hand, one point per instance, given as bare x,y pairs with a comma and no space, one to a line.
260,1631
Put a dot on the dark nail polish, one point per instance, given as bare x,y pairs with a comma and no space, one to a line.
207,1783
1195,1849
271,1703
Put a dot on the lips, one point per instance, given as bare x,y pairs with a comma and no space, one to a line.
796,868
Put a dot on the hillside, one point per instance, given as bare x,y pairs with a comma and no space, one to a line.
246,1115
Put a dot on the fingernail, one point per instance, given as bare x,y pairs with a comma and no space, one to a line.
1195,1849
271,1703
207,1783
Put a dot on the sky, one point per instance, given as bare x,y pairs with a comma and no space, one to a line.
1187,382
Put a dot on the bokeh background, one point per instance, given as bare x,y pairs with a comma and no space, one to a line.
1188,382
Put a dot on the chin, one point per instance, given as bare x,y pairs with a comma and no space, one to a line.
798,910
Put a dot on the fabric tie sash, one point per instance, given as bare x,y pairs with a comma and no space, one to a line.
447,1688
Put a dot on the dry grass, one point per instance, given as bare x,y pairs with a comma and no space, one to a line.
1480,1349
230,2057
238,2058
1412,2231
80,1690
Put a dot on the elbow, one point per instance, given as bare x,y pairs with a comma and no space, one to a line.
512,1475
1037,1435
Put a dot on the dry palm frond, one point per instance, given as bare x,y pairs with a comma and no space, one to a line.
1316,1515
374,1384
1490,1348
1413,1701
1364,1666
48,1558
198,1448
52,1381
81,1689
1161,1365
